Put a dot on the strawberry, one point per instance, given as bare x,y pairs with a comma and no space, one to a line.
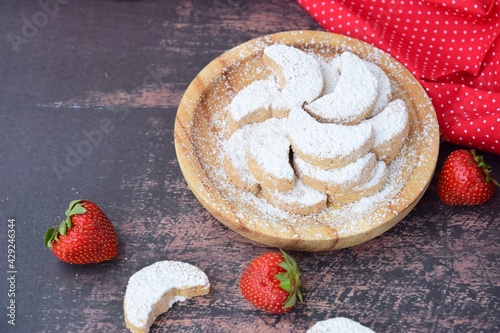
272,282
86,236
465,179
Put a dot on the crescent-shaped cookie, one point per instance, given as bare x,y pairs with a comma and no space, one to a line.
298,74
327,145
252,104
152,291
353,97
301,200
269,155
391,127
338,179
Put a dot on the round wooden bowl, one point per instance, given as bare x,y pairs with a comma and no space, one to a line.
201,130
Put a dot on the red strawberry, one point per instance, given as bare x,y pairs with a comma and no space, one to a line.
465,179
86,236
272,282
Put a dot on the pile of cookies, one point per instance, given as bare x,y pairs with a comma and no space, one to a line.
316,132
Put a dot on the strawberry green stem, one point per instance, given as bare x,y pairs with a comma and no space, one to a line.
290,280
52,234
485,167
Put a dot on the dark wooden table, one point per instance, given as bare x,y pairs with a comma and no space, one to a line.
88,96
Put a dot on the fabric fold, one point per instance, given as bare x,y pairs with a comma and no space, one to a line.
452,47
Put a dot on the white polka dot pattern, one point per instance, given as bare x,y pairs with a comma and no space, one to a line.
451,46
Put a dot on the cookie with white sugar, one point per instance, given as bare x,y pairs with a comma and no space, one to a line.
252,104
383,86
154,289
339,325
391,127
331,74
268,155
327,145
301,200
236,161
298,74
370,187
338,179
353,97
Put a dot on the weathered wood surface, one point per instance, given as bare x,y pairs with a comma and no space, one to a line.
87,102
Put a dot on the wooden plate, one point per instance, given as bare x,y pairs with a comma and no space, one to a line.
201,130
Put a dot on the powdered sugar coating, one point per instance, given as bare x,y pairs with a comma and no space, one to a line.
269,148
331,145
383,87
339,325
296,67
252,103
236,161
353,97
338,179
160,285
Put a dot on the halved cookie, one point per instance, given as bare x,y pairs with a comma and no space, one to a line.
152,291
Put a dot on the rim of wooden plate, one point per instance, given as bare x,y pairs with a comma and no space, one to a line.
315,238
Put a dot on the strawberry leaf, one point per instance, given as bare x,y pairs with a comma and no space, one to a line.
286,285
292,299
49,236
62,228
286,266
282,276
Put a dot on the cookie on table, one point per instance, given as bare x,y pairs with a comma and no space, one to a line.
154,289
339,325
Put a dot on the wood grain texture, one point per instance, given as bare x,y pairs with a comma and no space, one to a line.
127,64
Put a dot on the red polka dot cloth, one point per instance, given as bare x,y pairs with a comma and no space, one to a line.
451,46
